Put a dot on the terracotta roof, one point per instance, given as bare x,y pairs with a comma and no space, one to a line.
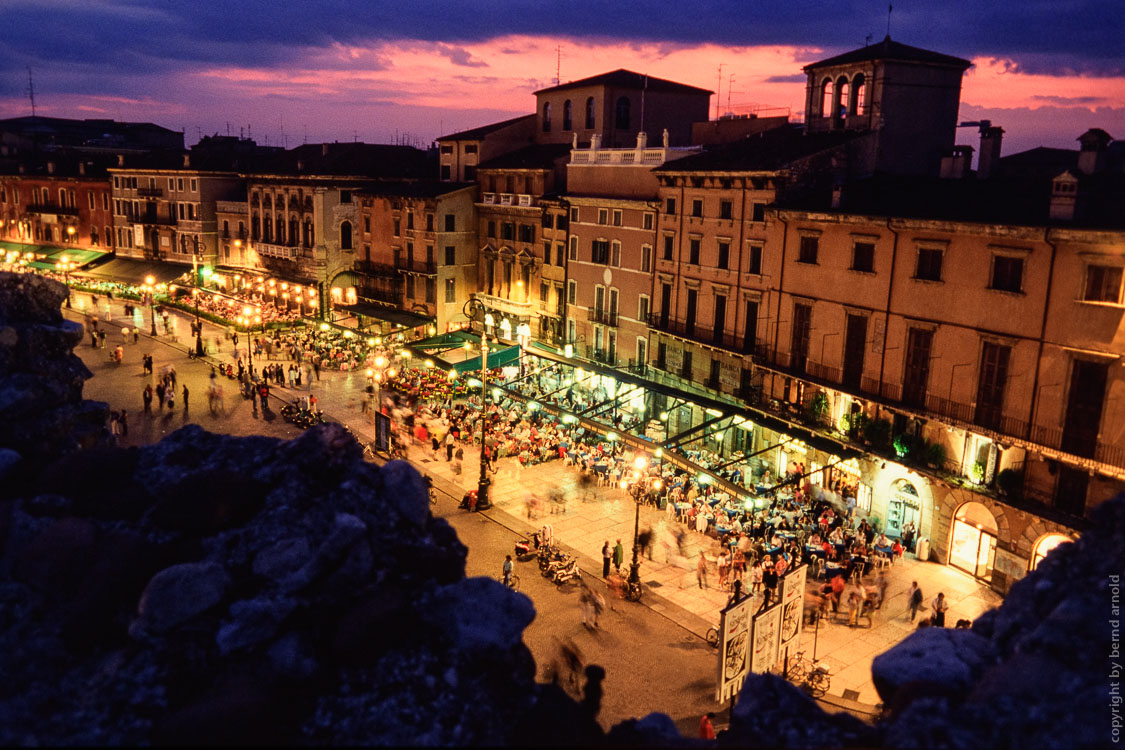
889,49
538,156
765,151
477,133
627,79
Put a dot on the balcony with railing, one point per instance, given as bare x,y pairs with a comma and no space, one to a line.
982,419
425,267
603,317
51,208
701,334
380,270
272,250
509,199
385,289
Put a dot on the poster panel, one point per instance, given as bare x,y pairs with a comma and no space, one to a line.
766,638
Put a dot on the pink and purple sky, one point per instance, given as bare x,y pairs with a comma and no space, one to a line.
323,70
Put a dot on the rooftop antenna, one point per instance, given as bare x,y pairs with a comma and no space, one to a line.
890,7
730,85
867,40
558,64
643,89
306,127
228,128
31,90
717,93
198,133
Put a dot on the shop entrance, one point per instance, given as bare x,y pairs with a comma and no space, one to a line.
973,547
1045,545
903,507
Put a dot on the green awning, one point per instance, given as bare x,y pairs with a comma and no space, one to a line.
496,359
20,247
134,271
80,256
446,341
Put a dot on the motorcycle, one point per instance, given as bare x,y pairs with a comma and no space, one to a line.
548,553
553,566
523,548
567,572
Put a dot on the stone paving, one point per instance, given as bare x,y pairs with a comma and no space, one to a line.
608,514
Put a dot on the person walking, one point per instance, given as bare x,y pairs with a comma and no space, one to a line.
449,441
618,556
724,568
939,606
913,600
146,396
881,583
458,459
706,728
701,571
125,335
507,570
101,339
607,557
136,335
185,395
160,395
123,420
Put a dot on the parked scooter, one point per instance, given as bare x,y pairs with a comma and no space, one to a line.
567,572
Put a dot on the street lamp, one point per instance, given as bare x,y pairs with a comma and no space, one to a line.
483,482
66,266
635,568
198,325
150,289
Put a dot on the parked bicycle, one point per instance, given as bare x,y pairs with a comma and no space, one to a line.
712,637
513,581
811,676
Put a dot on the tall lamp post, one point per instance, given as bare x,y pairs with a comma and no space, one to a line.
150,289
198,325
483,482
634,587
66,266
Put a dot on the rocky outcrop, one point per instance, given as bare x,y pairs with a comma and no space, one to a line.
217,590
42,413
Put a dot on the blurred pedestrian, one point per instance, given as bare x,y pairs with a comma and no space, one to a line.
706,728
607,554
185,395
618,556
913,600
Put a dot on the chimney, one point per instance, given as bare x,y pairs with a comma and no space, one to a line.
955,164
121,160
50,167
81,169
1093,150
324,149
1064,196
187,160
990,139
837,195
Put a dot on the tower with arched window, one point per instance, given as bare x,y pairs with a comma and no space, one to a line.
906,97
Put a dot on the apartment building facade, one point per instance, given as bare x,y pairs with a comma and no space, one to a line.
59,202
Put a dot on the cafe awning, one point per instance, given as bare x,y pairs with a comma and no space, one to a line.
388,314
446,341
132,271
496,359
80,256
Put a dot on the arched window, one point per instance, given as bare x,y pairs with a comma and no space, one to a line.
547,117
1045,545
567,125
280,229
621,113
255,231
842,98
267,201
346,236
826,99
267,229
859,94
294,231
62,198
590,113
309,234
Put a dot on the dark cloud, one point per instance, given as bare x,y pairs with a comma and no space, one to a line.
794,78
1071,101
1041,36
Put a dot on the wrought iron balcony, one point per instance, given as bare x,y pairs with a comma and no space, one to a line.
604,317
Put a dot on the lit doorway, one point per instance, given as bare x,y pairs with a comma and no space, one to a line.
903,507
973,545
